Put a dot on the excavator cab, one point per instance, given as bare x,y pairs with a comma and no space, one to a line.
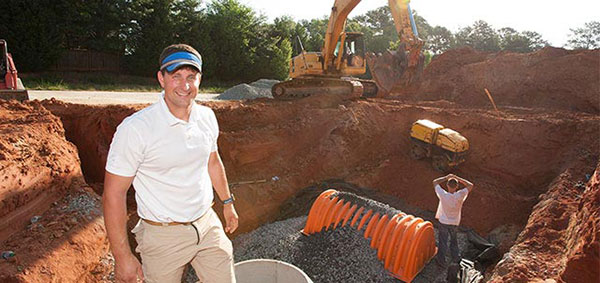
352,61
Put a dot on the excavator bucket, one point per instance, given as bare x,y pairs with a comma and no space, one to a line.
393,68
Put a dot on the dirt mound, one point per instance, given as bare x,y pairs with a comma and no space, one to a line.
562,232
551,78
36,162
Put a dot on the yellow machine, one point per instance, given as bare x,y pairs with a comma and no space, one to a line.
446,147
343,56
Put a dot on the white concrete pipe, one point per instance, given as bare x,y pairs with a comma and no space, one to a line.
269,271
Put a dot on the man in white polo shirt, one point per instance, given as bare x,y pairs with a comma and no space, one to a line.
448,213
168,151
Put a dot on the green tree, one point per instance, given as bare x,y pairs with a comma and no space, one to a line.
38,32
439,40
232,29
480,36
156,24
527,41
378,28
314,31
95,24
34,31
586,37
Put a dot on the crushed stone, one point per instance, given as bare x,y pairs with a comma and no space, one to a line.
254,90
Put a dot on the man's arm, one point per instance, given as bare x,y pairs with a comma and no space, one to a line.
441,180
114,200
465,182
216,170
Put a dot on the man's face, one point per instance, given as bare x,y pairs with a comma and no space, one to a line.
181,87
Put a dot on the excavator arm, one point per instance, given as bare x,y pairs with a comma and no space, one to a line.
335,29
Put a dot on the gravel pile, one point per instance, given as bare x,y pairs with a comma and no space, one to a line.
84,203
257,89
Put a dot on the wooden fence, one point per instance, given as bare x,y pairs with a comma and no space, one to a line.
87,60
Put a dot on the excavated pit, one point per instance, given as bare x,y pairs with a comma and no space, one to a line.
518,160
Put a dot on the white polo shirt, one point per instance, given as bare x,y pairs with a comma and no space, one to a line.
450,206
169,159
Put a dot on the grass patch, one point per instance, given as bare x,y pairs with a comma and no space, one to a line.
104,82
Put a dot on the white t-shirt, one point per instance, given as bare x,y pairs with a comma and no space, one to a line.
169,159
448,211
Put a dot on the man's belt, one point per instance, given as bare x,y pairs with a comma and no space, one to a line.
154,223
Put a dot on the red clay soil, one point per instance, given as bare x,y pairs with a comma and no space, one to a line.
65,245
560,241
513,158
41,176
551,78
36,162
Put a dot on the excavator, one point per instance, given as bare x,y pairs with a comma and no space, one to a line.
11,86
343,56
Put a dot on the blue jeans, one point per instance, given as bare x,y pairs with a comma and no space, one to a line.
446,231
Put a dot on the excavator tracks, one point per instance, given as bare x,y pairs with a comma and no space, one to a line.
307,86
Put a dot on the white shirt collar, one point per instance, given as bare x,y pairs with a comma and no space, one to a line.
171,119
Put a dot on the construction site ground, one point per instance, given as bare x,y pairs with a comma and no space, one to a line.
534,163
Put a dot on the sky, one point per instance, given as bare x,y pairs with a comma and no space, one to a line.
551,18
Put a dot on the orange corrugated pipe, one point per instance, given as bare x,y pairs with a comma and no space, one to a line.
403,242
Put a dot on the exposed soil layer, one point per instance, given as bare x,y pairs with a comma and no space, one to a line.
512,160
560,240
36,162
50,220
551,78
64,245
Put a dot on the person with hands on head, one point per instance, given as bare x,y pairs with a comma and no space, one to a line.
168,152
449,213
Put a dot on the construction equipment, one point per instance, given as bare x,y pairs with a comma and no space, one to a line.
343,56
446,147
11,86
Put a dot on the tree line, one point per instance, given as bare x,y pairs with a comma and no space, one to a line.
236,43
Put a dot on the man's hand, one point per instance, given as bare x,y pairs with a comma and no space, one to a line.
128,270
231,218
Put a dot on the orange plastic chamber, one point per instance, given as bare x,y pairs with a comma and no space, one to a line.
404,243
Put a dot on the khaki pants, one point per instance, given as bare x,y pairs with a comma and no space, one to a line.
165,250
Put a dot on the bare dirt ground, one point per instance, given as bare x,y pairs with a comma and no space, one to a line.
528,162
